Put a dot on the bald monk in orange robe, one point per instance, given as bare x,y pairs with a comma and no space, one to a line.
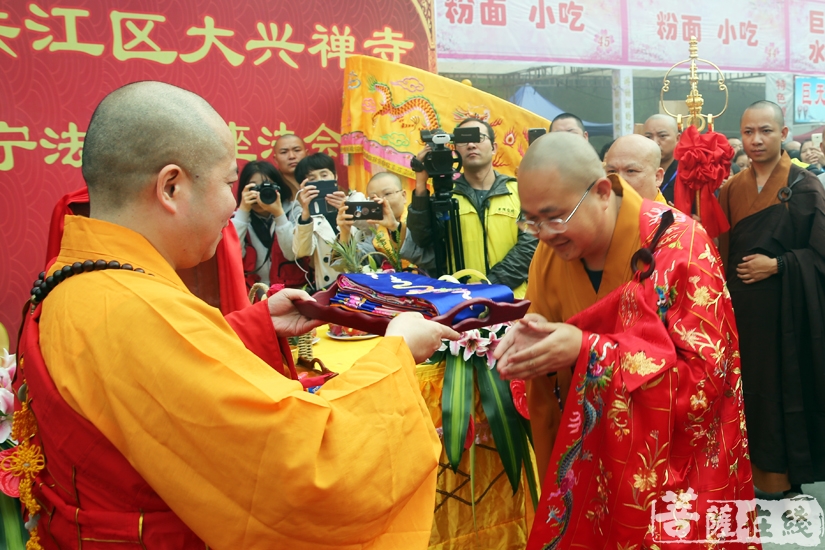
159,426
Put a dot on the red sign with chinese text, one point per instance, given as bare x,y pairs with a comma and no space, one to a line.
268,68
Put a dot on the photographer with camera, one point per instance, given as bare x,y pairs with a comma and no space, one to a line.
488,208
387,218
262,221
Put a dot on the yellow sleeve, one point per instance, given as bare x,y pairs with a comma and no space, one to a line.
660,198
244,456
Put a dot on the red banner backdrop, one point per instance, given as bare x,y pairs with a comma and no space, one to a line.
268,68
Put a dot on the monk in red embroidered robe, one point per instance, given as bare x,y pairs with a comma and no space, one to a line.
164,424
653,413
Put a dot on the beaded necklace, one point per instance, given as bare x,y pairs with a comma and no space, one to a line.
44,285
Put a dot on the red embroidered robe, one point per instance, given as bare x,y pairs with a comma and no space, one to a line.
655,409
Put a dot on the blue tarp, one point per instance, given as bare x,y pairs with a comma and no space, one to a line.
528,98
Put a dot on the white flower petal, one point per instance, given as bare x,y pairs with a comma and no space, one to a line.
5,428
6,403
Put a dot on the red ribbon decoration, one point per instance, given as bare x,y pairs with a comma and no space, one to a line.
704,163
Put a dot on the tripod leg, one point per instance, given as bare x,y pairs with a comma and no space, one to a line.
457,256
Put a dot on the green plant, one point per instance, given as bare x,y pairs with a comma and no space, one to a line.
469,364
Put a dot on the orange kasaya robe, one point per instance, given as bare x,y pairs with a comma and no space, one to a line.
218,281
660,198
202,429
654,410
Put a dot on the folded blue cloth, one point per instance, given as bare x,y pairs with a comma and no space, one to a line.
388,294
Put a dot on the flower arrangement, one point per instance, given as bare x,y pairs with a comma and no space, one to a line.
14,533
469,365
8,368
354,257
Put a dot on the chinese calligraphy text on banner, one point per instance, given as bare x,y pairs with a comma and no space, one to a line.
734,35
779,89
269,68
809,100
806,22
529,30
737,35
386,105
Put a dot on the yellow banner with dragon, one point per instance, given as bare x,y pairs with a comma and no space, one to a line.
386,105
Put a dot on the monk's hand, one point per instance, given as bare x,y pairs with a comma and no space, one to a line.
519,337
755,268
285,318
423,337
545,348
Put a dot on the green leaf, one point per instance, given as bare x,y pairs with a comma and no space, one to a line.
532,485
456,407
436,357
14,535
525,424
504,420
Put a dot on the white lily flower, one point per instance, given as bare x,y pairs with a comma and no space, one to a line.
8,368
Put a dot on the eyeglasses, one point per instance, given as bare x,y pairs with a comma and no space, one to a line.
481,139
555,226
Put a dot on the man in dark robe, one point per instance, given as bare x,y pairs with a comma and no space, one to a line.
774,255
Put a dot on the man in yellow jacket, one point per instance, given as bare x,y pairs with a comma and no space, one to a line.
488,208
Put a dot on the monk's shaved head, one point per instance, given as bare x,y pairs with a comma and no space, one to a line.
664,119
778,116
664,131
288,139
572,158
142,127
289,151
386,176
561,182
636,159
644,150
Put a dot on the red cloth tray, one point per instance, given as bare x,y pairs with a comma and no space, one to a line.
320,309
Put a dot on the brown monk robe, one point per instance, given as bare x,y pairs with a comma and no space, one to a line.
781,320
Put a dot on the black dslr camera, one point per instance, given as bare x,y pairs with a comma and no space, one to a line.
267,192
441,162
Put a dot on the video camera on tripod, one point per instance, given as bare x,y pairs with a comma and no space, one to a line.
442,163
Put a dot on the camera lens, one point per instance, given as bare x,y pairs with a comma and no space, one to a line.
267,192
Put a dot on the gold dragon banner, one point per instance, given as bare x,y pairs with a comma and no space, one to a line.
386,105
